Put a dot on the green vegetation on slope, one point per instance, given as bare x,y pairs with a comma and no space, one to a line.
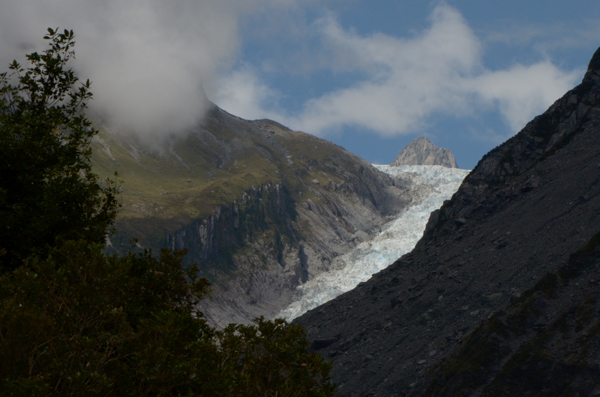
214,168
210,166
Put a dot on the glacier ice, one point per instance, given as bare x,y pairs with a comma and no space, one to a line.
397,238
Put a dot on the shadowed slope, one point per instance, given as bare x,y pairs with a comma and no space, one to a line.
499,295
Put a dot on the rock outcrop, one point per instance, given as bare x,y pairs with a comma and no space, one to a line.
500,296
422,152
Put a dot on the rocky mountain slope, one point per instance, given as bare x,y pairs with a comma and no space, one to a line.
500,296
261,208
422,152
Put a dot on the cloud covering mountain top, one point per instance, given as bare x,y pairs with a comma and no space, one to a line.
148,60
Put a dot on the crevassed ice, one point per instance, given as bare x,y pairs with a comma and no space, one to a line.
397,238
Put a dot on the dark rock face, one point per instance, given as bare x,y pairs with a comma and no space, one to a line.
500,297
422,152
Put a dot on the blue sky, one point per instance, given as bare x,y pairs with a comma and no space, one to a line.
368,75
509,61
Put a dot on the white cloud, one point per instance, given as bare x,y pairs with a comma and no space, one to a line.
522,92
409,80
244,95
147,59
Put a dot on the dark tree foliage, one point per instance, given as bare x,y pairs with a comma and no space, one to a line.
81,323
77,322
48,192
86,324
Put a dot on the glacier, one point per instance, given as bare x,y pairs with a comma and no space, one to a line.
397,238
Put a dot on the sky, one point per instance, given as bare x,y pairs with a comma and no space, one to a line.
367,75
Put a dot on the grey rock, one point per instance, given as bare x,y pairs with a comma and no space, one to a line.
322,343
361,236
460,221
422,152
263,278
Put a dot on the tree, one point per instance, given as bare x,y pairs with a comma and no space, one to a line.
48,192
79,322
82,323
75,321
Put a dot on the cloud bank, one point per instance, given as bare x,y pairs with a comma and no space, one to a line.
438,71
148,60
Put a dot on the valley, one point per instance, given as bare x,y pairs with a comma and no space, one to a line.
499,296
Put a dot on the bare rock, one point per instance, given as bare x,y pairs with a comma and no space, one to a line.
422,152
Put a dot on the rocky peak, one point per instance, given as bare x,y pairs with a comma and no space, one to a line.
422,152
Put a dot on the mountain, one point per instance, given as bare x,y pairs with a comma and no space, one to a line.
261,208
422,152
500,296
